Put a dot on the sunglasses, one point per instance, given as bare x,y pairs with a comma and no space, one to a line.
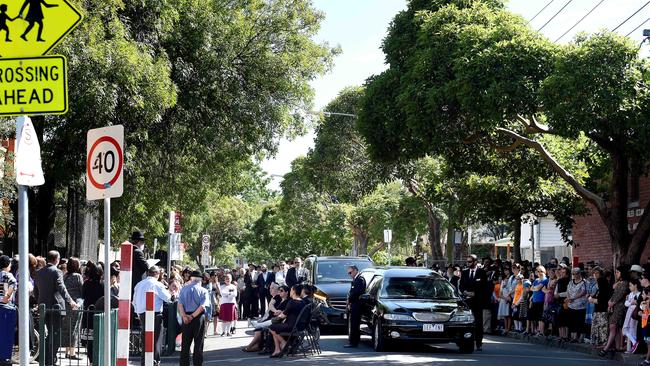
350,273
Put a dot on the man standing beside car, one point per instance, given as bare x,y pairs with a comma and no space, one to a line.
473,284
357,289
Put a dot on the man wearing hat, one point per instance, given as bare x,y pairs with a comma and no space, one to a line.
636,271
139,266
161,295
192,302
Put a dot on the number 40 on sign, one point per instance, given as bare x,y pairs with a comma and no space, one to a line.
105,162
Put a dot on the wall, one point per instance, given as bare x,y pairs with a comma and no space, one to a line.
592,242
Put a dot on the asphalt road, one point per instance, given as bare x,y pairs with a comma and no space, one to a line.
497,351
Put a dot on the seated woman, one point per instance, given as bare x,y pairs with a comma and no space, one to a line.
277,304
290,316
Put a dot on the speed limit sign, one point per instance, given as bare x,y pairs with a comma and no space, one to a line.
104,163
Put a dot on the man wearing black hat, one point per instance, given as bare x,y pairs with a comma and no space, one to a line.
192,302
139,266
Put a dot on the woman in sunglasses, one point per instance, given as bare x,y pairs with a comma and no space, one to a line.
277,304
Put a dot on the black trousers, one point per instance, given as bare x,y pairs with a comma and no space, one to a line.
478,325
193,332
53,338
251,307
354,323
157,339
265,298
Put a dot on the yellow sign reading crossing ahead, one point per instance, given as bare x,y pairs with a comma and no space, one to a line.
33,85
34,27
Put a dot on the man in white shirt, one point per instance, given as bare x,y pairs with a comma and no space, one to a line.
161,296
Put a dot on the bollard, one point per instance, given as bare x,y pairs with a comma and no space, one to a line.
149,319
98,338
172,326
124,312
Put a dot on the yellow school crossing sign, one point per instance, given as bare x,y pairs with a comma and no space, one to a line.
36,85
29,82
34,27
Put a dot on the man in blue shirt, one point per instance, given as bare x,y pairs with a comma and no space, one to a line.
161,296
192,302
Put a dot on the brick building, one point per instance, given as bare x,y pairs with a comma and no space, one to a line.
591,236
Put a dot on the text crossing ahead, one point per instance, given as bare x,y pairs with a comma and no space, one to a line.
105,162
34,27
35,85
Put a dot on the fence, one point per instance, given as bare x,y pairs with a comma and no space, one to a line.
83,331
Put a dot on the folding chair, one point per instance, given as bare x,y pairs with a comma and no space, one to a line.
298,335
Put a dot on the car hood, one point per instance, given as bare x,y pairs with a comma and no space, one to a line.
333,289
420,305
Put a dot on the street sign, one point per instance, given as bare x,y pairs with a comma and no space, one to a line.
33,85
27,164
42,26
177,249
105,162
388,236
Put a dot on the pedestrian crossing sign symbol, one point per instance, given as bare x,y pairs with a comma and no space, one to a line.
34,27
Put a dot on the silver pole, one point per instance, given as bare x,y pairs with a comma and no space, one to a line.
107,282
169,254
23,275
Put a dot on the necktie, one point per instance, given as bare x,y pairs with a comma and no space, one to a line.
471,274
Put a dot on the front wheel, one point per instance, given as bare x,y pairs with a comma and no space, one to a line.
466,347
378,340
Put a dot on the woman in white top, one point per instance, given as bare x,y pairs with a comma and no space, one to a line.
227,310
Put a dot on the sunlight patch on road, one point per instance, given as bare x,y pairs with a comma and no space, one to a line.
394,358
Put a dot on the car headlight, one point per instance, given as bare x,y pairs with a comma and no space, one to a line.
397,317
463,317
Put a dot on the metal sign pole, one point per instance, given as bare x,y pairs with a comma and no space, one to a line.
23,275
107,282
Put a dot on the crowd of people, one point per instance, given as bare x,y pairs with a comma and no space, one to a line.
583,303
72,291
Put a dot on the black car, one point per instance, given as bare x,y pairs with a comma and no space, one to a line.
414,305
329,275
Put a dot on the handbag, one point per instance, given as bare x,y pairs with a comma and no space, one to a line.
565,304
277,320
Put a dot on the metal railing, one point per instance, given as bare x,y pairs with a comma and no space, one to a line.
61,330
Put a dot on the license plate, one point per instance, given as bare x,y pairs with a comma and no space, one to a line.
433,327
345,315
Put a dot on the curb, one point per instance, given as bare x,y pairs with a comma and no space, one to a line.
574,347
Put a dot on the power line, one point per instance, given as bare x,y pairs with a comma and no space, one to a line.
579,21
540,12
630,17
556,14
638,26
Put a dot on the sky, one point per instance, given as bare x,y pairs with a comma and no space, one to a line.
359,26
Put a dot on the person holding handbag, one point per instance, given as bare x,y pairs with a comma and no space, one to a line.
616,309
577,305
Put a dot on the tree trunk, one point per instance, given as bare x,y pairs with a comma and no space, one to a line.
516,245
361,240
450,242
433,226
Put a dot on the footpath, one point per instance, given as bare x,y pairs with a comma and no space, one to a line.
619,357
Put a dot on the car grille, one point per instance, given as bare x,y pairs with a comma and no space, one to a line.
339,303
430,317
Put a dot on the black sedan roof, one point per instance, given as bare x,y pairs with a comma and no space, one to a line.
402,271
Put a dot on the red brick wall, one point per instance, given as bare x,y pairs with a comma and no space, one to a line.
591,237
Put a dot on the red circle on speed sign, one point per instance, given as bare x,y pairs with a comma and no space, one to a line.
92,179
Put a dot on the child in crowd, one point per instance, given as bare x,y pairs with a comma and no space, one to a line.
629,325
518,299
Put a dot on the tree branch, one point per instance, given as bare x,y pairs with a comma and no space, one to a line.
563,173
531,125
379,247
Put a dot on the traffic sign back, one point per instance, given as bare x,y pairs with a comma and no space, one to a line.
36,26
105,162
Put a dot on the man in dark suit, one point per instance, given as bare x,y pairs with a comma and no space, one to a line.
264,281
139,266
357,289
473,284
50,290
296,274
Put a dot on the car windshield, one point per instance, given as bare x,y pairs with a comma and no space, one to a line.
337,270
424,287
